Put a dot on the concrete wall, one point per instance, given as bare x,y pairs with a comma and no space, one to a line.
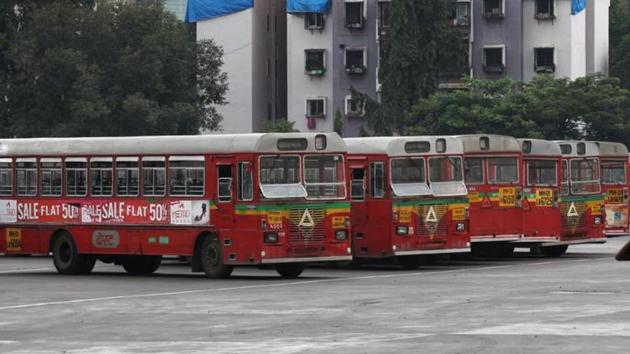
597,18
503,31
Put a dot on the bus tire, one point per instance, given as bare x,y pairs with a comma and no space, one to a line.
212,259
554,251
290,270
137,265
67,259
410,262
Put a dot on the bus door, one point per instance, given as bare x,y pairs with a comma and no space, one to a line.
224,196
503,197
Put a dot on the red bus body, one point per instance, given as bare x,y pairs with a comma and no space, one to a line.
408,199
581,199
259,198
614,177
493,177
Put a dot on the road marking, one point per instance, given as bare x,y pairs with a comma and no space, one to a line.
29,270
578,292
591,329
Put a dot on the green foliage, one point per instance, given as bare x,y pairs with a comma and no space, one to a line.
338,122
620,40
416,42
593,107
280,126
76,69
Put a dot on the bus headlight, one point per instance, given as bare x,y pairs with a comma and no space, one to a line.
402,230
341,235
598,220
460,227
270,237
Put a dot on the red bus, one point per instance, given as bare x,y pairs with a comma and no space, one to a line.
581,199
540,198
493,176
223,200
614,177
408,198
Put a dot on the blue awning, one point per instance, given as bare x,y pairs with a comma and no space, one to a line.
577,6
205,9
319,6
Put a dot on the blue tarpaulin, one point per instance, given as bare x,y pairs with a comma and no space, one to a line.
577,6
204,9
318,6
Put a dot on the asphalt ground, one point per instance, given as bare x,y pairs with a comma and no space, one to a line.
524,304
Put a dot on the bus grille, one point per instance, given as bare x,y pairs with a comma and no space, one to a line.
432,223
573,221
306,227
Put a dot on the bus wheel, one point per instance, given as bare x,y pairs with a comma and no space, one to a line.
212,259
290,270
410,262
142,264
67,259
554,251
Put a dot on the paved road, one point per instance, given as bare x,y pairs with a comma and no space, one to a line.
527,304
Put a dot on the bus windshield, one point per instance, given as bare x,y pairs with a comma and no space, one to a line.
585,176
446,176
614,172
408,178
502,170
280,177
541,173
324,177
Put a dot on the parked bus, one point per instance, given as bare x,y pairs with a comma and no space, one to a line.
614,177
493,177
581,198
223,200
541,191
408,198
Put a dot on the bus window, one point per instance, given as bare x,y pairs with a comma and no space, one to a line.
565,178
26,176
154,176
585,176
324,177
186,175
101,176
127,176
613,172
245,182
50,177
473,170
6,177
224,182
76,177
541,173
408,177
280,177
502,170
377,180
445,169
357,191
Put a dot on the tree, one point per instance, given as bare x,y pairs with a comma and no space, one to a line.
280,126
111,69
620,40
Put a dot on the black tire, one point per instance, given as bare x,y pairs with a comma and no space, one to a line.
211,257
138,265
290,270
410,262
554,251
67,258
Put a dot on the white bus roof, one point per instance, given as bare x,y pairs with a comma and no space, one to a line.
170,145
540,147
610,149
569,148
402,145
497,143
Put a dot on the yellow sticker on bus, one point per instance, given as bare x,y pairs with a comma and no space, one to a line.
14,240
544,197
507,197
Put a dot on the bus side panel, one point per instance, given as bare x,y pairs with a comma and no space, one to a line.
24,240
373,238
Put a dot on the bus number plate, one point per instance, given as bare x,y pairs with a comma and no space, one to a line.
507,197
614,196
544,197
14,240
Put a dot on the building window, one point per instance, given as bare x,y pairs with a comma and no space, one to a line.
314,21
186,175
6,177
355,13
493,60
384,13
101,176
316,107
461,15
355,60
355,107
154,176
493,8
315,61
543,60
50,177
127,176
76,177
545,9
